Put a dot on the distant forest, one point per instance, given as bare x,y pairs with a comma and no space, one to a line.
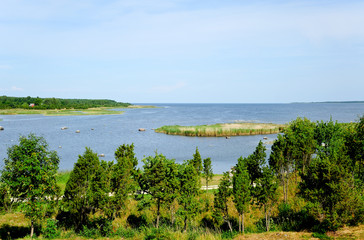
56,103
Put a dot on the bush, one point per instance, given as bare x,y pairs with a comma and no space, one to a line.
137,221
97,227
290,220
228,235
158,233
126,232
50,230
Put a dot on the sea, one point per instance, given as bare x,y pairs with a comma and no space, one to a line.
104,133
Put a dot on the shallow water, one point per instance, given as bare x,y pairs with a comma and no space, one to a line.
110,131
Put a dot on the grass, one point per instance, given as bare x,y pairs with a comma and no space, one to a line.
222,129
69,112
62,178
61,112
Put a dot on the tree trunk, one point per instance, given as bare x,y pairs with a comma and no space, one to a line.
242,222
239,223
31,228
266,218
229,223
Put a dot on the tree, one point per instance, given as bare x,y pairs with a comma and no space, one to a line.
78,197
241,190
123,179
222,197
266,193
160,180
197,162
189,190
328,186
300,139
255,161
207,171
30,175
100,187
280,163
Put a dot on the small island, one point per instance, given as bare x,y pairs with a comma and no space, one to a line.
223,129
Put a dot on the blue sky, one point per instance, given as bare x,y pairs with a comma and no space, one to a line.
206,51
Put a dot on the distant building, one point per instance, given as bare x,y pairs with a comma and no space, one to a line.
31,105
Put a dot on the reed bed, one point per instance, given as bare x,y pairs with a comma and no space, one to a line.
223,130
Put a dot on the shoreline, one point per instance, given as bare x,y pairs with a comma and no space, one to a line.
71,112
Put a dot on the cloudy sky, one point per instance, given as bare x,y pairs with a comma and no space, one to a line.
205,51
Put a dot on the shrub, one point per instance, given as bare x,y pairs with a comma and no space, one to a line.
50,230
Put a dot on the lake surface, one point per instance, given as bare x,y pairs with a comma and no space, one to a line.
111,131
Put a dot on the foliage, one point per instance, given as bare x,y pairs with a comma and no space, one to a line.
160,180
197,162
189,190
78,196
123,178
56,103
30,175
207,171
50,230
255,162
221,199
266,193
241,190
328,187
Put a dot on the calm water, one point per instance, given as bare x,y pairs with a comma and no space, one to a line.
113,130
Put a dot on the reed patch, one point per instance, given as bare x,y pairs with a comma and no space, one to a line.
223,129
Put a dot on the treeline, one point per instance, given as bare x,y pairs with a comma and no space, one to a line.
323,161
56,103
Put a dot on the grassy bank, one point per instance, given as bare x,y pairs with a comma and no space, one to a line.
61,112
223,130
70,112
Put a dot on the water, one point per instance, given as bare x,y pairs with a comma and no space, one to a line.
113,130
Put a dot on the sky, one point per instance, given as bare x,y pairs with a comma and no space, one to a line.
183,51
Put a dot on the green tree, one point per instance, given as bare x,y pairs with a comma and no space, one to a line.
30,174
222,197
100,187
301,143
241,190
266,193
255,162
189,190
160,180
207,171
78,197
197,162
123,179
328,186
280,162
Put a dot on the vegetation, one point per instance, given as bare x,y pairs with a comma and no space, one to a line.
314,182
30,177
56,103
222,130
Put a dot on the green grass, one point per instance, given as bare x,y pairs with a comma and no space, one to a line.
62,112
62,178
222,130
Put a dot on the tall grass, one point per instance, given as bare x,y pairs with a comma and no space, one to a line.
222,130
